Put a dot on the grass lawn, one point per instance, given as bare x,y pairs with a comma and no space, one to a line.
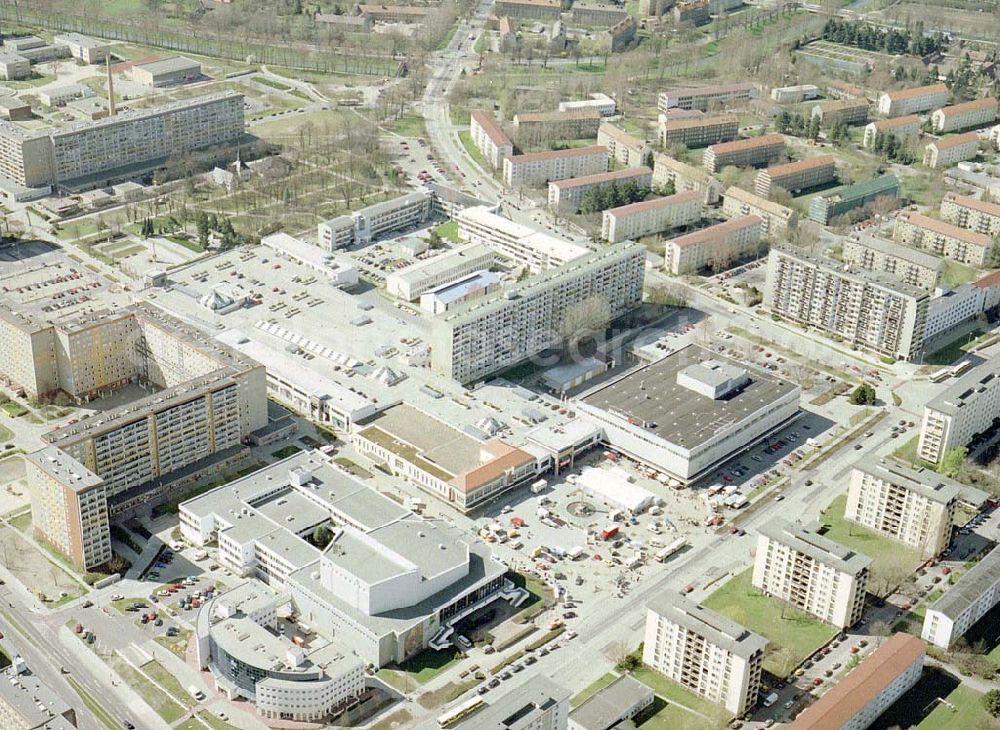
214,722
954,350
168,681
699,712
285,451
408,125
883,551
956,274
968,712
447,693
164,706
94,706
466,138
593,689
792,635
22,521
6,434
14,410
447,231
427,664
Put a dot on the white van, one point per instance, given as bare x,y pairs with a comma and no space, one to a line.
196,693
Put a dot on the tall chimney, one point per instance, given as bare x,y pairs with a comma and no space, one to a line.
111,85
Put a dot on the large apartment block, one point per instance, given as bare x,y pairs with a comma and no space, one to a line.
684,178
797,565
714,247
796,176
965,116
912,101
411,282
943,239
367,224
489,138
848,111
902,128
965,409
537,9
972,597
651,216
566,196
777,219
752,152
497,332
914,506
909,265
625,149
536,250
699,132
706,97
949,151
704,652
535,128
972,214
539,168
98,153
873,311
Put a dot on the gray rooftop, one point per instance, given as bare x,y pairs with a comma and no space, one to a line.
969,589
815,546
434,264
64,468
967,388
173,64
713,627
520,708
651,395
603,710
925,482
875,278
907,253
37,704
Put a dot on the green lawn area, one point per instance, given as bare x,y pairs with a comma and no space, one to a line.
447,231
956,274
408,125
94,706
272,83
14,410
954,350
968,713
214,722
168,681
699,712
427,664
22,521
6,434
886,554
285,451
593,689
164,706
792,635
470,147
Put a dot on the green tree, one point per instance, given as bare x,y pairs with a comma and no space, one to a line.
863,395
322,535
951,462
991,701
203,226
434,240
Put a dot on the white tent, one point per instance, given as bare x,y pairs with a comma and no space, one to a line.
613,487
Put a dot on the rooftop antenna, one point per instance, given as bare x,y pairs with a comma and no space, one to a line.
111,85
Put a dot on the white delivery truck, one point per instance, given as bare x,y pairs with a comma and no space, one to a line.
539,486
575,553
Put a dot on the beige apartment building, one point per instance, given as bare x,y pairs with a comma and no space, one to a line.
752,152
523,245
566,196
972,214
797,565
489,138
714,247
912,101
914,506
874,311
777,219
943,239
703,651
966,408
684,178
624,148
699,132
909,265
850,111
973,596
539,168
84,48
706,97
950,151
537,128
797,176
964,116
902,128
14,67
649,217
537,9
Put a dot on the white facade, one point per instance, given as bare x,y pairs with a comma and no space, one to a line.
539,168
538,251
943,239
794,94
715,246
603,103
337,273
972,214
489,138
963,116
912,101
776,219
411,282
950,151
968,407
651,216
373,221
685,177
567,195
972,597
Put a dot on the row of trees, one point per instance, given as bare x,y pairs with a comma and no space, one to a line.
797,125
886,40
603,197
892,148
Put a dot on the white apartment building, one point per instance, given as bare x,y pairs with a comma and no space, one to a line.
704,652
715,246
648,217
972,214
914,506
849,111
699,132
539,168
870,310
776,219
14,67
538,251
566,196
705,97
797,565
902,128
603,103
489,138
951,308
684,178
796,176
625,149
411,282
942,239
84,48
966,408
493,333
912,101
538,128
868,690
794,94
949,151
369,223
969,114
910,265
751,152
963,604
